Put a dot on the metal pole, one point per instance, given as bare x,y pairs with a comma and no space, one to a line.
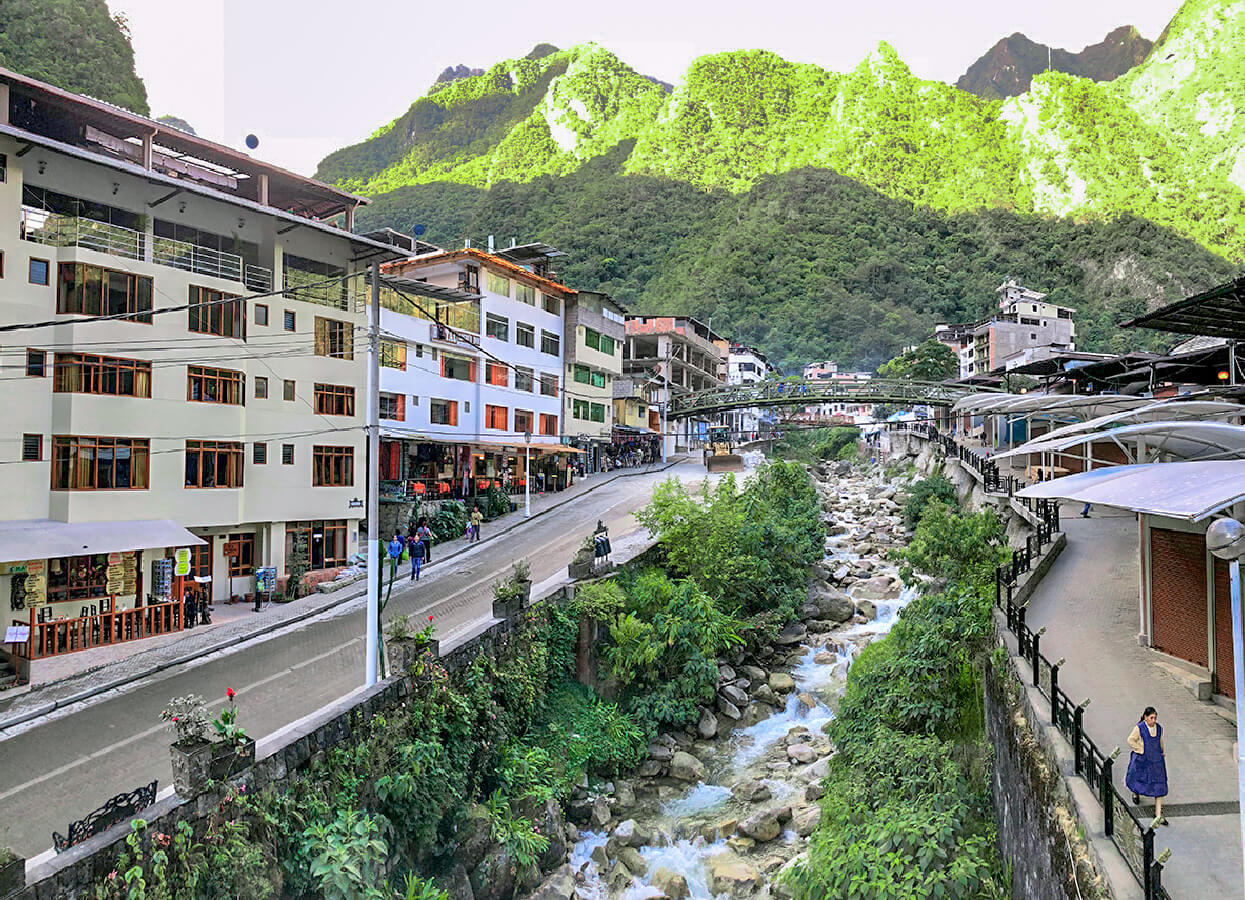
373,481
662,421
527,475
1238,673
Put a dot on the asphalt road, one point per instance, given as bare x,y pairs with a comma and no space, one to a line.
62,768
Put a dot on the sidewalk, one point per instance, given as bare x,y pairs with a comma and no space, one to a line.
77,676
1088,604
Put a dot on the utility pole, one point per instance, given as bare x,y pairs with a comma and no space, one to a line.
527,474
373,482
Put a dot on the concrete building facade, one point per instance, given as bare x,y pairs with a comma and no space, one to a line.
595,332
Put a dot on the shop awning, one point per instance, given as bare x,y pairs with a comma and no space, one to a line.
1179,490
44,538
1182,440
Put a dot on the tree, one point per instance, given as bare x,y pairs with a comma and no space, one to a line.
930,361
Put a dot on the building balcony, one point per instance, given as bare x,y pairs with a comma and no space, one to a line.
55,230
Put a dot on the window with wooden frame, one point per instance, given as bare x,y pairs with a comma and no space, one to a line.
549,385
1,251
551,304
548,424
244,562
287,454
334,338
525,335
393,406
289,320
205,384
323,541
87,373
218,313
334,399
32,447
549,343
201,559
497,327
497,417
526,293
214,464
261,387
261,314
259,453
95,291
332,466
287,389
496,374
459,368
443,412
522,420
393,354
38,271
82,463
524,379
469,279
497,284
36,363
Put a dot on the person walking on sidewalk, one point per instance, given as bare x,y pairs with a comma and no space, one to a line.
424,533
477,519
1147,766
415,547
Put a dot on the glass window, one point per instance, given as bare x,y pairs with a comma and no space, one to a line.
549,343
207,385
525,335
393,354
551,304
496,417
215,312
36,363
523,379
332,466
334,399
592,338
32,447
548,424
334,338
443,412
522,421
598,379
287,389
287,454
95,291
496,374
497,284
597,413
99,463
290,320
213,464
393,406
582,374
38,271
497,327
259,453
261,314
579,409
244,562
458,367
607,345
261,387
323,542
526,293
549,385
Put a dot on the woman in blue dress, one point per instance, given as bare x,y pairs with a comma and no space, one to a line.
1147,766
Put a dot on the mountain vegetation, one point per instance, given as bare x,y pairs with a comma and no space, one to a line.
1007,68
73,44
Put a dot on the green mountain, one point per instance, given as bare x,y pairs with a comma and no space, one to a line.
74,44
860,206
1007,68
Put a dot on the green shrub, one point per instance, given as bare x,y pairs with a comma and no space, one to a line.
449,522
956,545
935,488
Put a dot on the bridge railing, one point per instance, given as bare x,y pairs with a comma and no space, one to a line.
781,393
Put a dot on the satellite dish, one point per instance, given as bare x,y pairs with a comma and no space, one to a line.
252,142
419,229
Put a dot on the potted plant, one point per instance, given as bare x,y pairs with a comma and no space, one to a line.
512,594
406,645
522,576
191,751
12,872
235,750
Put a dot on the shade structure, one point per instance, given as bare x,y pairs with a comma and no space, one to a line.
1180,490
44,538
974,403
1182,440
1219,312
1170,410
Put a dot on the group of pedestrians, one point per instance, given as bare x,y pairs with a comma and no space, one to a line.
416,547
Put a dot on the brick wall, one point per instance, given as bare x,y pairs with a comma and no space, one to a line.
1110,452
1178,593
1224,680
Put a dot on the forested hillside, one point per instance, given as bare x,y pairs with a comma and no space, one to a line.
74,44
810,264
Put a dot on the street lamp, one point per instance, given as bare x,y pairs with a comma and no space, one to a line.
527,474
1226,539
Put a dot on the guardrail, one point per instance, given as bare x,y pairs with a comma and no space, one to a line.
1132,837
814,391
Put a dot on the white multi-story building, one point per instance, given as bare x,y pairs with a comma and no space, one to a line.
178,398
746,366
464,384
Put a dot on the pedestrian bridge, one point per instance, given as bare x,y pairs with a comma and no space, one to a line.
810,392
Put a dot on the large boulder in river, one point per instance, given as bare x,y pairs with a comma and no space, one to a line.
671,884
761,826
880,587
558,886
686,767
730,875
707,727
781,682
832,604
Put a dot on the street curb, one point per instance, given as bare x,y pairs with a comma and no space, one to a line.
294,620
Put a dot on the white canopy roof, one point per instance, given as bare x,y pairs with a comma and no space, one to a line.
1179,490
975,402
1067,406
1183,440
44,538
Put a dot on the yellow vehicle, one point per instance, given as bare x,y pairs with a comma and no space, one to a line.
718,455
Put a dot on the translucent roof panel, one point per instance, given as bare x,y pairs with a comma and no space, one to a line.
1179,490
1182,440
1169,410
975,402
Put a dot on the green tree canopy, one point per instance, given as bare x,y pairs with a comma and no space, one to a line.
930,361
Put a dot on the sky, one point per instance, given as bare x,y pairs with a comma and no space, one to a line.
310,76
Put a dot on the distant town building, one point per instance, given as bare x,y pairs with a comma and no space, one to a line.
1026,328
595,332
826,369
745,366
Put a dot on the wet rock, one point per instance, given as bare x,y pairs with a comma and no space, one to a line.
672,884
807,700
558,886
734,694
880,587
456,884
631,833
630,857
475,837
494,877
806,820
686,767
726,673
840,573
650,768
814,791
832,604
730,875
781,682
756,712
801,753
707,727
867,608
740,844
751,791
618,879
824,658
601,813
660,752
728,709
755,674
761,826
600,857
624,795
792,634
765,694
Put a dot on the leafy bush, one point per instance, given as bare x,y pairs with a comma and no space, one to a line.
956,545
347,856
449,522
936,487
495,503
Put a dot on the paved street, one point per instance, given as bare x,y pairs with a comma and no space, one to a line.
1088,603
63,766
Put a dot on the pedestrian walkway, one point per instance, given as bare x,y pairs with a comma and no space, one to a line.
1088,603
74,676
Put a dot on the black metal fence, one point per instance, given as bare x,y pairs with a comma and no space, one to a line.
1131,836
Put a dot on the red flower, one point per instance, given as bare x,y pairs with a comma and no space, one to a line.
230,693
430,618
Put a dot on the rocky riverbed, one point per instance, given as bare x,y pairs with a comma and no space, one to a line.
720,809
